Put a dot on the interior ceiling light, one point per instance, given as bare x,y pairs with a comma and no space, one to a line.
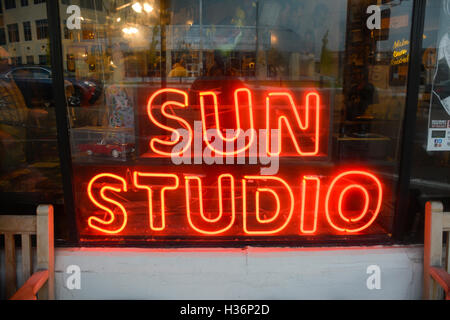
148,8
130,30
137,7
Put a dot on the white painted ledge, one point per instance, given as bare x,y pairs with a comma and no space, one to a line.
251,273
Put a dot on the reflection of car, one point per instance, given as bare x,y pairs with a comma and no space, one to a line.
35,82
107,147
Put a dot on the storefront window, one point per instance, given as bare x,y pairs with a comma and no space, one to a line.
262,121
431,167
29,160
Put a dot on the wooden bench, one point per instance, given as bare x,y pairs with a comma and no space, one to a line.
41,283
436,268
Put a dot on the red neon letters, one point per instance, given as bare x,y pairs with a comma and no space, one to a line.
181,121
304,126
314,201
277,222
239,130
98,223
137,177
193,219
248,205
281,112
338,189
266,204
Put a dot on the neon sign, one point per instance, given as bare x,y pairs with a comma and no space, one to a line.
254,191
281,113
166,200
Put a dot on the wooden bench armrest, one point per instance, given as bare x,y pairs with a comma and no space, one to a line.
442,277
30,289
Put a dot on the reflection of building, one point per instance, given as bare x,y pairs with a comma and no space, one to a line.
24,31
24,28
248,48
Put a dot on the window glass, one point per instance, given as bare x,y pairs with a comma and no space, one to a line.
13,32
10,4
42,29
30,59
41,73
29,161
317,88
27,31
431,166
2,36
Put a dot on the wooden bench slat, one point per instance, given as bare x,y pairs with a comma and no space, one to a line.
45,248
10,267
446,221
43,281
17,224
26,256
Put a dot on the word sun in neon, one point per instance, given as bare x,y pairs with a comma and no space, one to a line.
244,134
256,190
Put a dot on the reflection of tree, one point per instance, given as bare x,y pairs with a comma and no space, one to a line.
153,58
325,58
239,19
275,62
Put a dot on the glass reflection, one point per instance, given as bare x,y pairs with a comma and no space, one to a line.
130,49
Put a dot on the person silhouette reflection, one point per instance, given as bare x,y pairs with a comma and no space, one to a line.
222,81
361,95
